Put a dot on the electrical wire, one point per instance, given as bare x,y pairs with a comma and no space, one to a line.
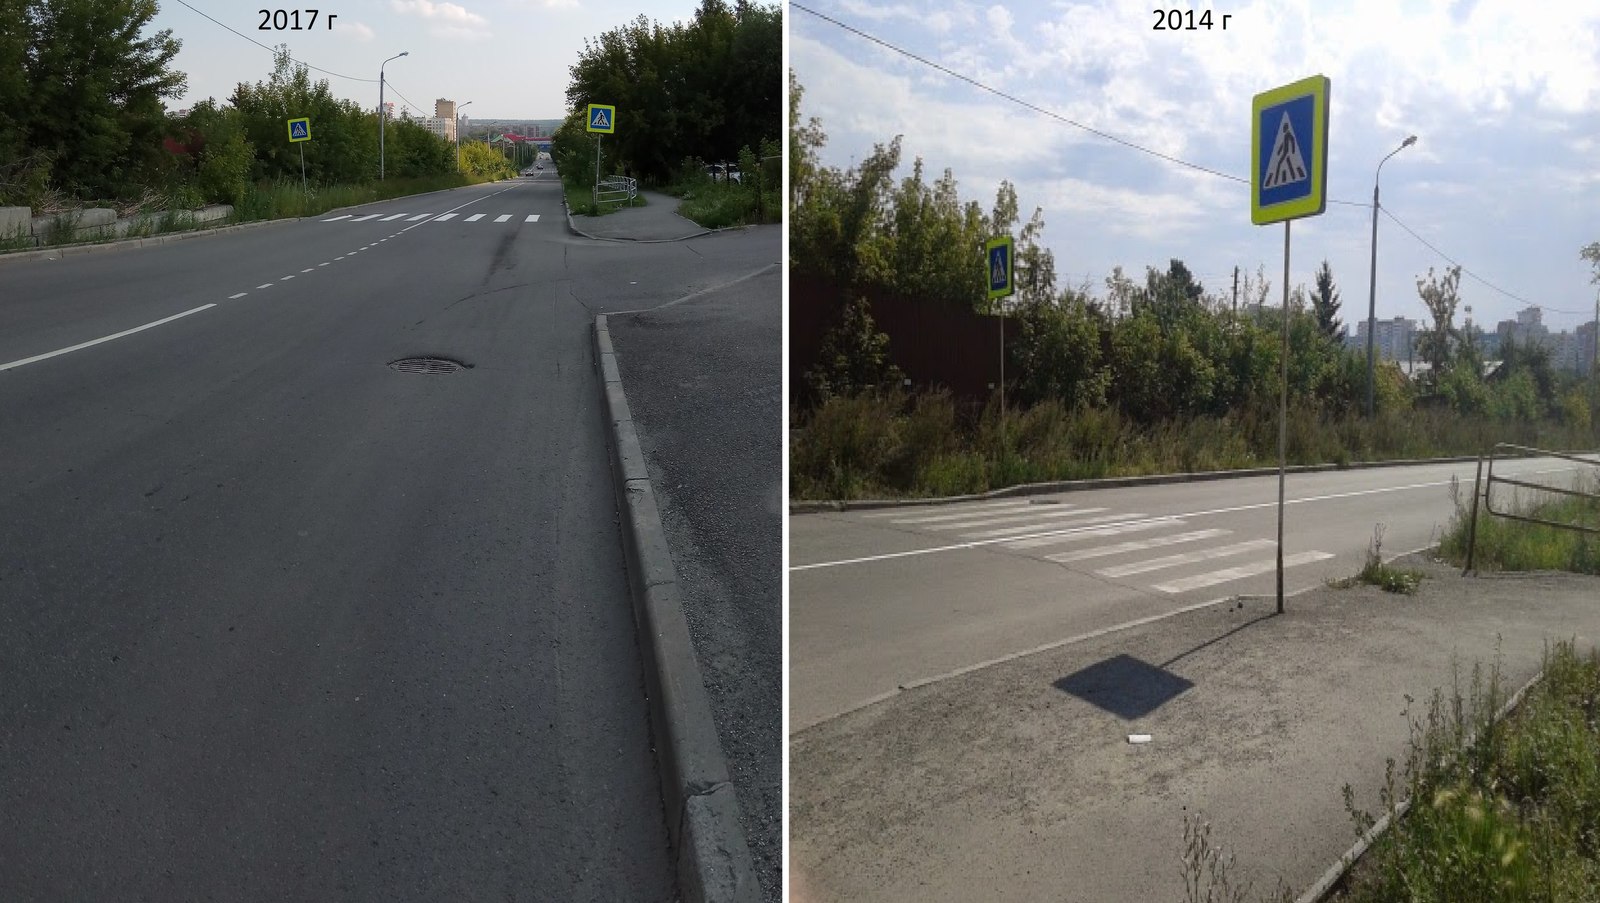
1142,149
273,50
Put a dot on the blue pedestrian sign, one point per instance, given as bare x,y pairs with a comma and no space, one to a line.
999,265
602,118
300,129
1289,151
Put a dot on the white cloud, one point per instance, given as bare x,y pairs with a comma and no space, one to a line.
452,13
359,31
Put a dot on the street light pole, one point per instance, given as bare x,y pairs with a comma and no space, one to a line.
459,117
381,116
1372,286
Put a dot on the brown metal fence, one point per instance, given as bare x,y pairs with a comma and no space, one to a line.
1484,489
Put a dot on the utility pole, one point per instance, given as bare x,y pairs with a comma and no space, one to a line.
1235,292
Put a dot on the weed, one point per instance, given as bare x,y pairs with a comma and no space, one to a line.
1376,572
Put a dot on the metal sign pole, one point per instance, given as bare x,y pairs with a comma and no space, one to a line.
1283,408
303,189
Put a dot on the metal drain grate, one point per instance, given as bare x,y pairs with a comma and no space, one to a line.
427,365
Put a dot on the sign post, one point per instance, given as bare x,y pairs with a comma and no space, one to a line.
1289,166
602,121
1000,263
299,133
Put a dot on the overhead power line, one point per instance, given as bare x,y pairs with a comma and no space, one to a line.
1141,148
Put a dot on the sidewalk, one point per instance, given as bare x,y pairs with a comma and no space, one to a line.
1017,782
655,221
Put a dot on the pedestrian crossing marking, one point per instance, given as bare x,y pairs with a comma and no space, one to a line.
966,510
420,216
362,219
1135,545
532,218
442,217
1035,528
388,218
337,218
1034,542
474,218
934,518
1285,165
1172,561
1043,515
1237,573
502,217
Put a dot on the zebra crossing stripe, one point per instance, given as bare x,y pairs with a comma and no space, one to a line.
967,510
473,218
362,219
1244,570
1172,561
532,218
420,216
934,518
1038,518
388,218
502,217
1135,545
337,218
1073,535
1035,528
442,217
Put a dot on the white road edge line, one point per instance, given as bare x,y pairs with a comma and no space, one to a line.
126,332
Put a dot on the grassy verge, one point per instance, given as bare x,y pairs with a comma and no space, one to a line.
893,444
580,200
1511,545
1500,809
285,198
718,205
1377,572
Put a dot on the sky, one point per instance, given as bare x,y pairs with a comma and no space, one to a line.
509,58
1504,177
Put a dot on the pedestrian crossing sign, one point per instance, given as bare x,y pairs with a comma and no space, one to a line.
1289,151
300,129
602,119
997,253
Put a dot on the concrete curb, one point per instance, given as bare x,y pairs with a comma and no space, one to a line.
712,858
812,507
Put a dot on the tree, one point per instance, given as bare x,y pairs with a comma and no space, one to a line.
854,355
1440,296
1325,303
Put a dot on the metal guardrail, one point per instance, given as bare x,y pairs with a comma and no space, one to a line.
1484,489
616,189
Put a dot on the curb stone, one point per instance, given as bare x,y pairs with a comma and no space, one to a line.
711,856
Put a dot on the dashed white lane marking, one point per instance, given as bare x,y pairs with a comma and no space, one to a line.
443,216
1240,572
474,217
388,218
1036,518
420,216
308,269
126,332
1172,561
236,297
324,263
265,285
1024,528
502,217
337,218
362,219
1136,545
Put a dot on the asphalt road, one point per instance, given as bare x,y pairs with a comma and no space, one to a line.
704,385
891,598
280,622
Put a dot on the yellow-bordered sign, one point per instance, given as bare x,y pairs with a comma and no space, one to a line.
602,118
303,132
1289,151
999,263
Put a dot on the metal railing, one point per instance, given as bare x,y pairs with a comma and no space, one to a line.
616,189
1484,489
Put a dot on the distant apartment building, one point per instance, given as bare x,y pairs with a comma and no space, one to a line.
1392,339
444,128
445,111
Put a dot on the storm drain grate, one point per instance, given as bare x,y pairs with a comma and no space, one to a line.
427,365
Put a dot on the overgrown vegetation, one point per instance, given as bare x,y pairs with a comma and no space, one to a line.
1377,572
1150,374
82,124
706,90
1499,809
1504,544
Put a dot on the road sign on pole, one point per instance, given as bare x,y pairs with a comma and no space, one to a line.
1289,180
300,129
1289,151
602,118
998,253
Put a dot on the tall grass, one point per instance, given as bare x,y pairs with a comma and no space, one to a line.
1504,544
898,444
286,198
718,205
1500,809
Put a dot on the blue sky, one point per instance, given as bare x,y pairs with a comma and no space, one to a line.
510,58
1505,101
